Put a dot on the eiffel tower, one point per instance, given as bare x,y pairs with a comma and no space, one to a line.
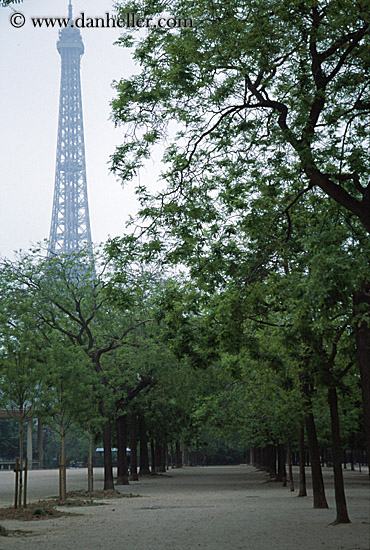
70,223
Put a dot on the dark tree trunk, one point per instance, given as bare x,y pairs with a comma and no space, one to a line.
326,456
144,457
108,468
281,464
302,471
265,458
133,433
122,477
340,498
271,458
152,455
167,457
164,457
178,455
279,467
158,456
319,499
186,455
322,456
258,457
352,462
291,481
274,460
268,459
361,303
171,455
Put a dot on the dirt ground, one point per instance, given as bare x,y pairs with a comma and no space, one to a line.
212,508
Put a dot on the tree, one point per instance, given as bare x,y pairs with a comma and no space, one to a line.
306,295
6,3
9,439
66,295
66,398
21,360
268,97
300,68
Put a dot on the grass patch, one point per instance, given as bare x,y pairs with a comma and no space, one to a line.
50,508
100,495
13,532
34,511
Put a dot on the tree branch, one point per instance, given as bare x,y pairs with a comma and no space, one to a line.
116,342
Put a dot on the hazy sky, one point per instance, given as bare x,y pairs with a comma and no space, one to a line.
29,100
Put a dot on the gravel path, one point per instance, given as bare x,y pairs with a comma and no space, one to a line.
212,508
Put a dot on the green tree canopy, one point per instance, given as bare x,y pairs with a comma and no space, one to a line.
257,90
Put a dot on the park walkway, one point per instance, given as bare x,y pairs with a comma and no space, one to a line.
213,508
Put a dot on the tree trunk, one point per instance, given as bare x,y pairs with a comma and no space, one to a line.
253,456
108,467
281,464
152,454
265,458
273,461
185,458
165,457
158,456
40,443
257,457
90,470
63,469
352,462
279,476
144,457
361,304
20,477
340,498
122,477
319,499
268,460
302,471
291,481
326,456
133,465
178,455
322,456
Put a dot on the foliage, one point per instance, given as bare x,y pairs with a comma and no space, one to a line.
270,95
8,439
6,3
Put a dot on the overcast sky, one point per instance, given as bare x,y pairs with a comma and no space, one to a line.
29,100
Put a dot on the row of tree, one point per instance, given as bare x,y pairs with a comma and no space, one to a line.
264,107
95,343
266,330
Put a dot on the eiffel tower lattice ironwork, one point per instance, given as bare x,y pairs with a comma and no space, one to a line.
70,223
